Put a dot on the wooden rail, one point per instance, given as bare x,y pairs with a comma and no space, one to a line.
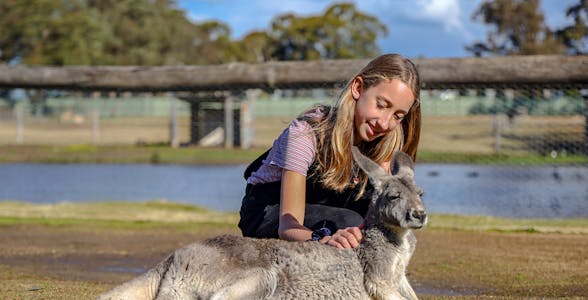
435,73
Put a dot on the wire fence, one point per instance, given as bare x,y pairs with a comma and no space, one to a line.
516,121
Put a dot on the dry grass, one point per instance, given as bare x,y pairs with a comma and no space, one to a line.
129,131
467,134
64,251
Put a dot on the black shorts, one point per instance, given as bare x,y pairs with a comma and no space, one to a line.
261,220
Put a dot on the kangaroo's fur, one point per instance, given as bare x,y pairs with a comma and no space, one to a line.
232,267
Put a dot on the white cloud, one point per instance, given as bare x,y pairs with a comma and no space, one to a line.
444,12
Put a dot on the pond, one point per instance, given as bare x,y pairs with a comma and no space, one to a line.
529,192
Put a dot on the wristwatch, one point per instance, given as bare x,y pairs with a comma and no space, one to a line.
320,233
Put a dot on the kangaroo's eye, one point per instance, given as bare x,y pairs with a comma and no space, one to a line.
394,193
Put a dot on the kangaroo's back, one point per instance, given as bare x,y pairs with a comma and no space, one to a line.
234,267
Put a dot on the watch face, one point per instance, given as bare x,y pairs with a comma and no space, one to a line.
320,233
325,231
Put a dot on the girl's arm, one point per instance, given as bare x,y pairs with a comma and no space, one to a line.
292,205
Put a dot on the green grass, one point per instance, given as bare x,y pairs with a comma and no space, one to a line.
162,154
115,215
111,224
488,223
498,159
120,154
165,214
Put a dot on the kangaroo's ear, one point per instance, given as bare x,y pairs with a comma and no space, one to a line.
374,172
402,165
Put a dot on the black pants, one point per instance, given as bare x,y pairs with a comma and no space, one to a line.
315,216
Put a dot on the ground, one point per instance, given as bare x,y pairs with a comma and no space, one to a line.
40,261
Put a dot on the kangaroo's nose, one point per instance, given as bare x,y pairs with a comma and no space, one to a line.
417,214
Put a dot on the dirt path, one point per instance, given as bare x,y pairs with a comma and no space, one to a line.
49,262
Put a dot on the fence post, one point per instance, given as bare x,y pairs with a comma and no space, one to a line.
584,94
173,123
19,114
96,119
229,129
247,133
491,95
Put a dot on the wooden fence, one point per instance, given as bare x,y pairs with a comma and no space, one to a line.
435,72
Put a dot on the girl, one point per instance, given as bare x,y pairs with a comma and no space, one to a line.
307,186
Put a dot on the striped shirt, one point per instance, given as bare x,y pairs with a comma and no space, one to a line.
293,150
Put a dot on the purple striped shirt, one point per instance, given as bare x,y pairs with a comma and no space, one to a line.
293,150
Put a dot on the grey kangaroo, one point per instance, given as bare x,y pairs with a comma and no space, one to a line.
233,267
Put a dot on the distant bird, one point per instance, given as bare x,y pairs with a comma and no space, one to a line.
473,174
556,175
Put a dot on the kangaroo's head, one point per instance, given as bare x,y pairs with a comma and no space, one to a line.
396,201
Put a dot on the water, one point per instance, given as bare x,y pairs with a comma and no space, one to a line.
531,192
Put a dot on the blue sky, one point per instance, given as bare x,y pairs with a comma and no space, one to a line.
429,28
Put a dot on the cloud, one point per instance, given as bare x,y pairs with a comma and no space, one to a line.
444,12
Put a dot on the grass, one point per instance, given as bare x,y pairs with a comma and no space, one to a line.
122,154
498,159
162,213
528,140
60,250
162,154
115,215
494,224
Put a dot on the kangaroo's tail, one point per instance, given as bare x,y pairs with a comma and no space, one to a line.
145,286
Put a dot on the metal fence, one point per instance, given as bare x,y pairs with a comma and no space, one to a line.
484,120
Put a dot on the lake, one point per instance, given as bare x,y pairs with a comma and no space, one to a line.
504,191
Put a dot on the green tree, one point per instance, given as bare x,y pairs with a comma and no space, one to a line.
212,44
350,33
155,32
341,32
108,32
48,32
519,29
141,32
575,36
253,48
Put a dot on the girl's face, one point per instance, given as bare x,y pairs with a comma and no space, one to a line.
380,108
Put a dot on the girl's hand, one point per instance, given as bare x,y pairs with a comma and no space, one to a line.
346,238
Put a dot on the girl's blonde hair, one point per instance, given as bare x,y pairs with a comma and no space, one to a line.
334,132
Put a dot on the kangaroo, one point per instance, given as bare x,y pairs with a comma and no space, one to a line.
234,267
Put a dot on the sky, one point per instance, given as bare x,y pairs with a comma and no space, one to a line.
416,28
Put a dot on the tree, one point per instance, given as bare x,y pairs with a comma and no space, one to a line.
575,36
108,32
254,47
519,29
350,33
341,32
212,44
156,32
142,32
48,32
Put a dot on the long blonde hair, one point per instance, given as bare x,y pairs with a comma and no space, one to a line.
334,132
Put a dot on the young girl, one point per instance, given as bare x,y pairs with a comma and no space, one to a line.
307,186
